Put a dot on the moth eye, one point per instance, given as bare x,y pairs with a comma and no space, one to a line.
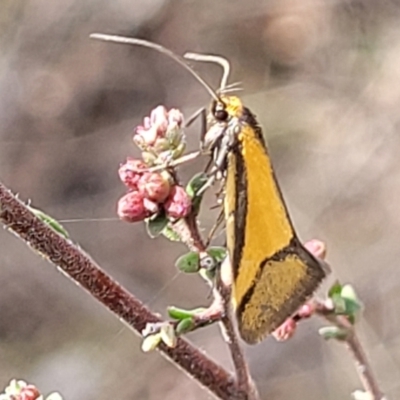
221,115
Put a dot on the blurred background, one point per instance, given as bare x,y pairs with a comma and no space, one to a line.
322,76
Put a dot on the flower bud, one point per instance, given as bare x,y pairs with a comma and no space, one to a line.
153,127
131,207
154,186
161,144
29,392
306,310
151,206
285,331
174,132
131,171
317,248
161,131
178,204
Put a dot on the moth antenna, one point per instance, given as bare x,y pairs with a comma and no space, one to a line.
160,49
234,85
223,62
231,90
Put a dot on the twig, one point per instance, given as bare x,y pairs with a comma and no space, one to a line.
355,347
83,270
245,382
220,310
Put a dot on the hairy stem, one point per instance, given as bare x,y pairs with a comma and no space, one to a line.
83,270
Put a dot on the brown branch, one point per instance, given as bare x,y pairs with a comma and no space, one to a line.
84,271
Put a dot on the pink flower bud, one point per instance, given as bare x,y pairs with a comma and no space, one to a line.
159,117
306,310
151,206
153,128
131,207
317,248
161,131
175,117
178,204
29,392
154,186
285,331
131,171
145,138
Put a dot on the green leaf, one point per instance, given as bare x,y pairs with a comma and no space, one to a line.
184,326
333,332
335,289
192,189
340,304
196,183
155,226
170,234
53,223
345,301
349,293
189,262
180,313
208,274
352,307
217,253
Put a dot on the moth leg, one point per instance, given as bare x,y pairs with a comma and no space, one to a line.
217,224
181,160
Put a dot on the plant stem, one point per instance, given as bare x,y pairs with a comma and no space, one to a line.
245,382
221,308
83,270
355,347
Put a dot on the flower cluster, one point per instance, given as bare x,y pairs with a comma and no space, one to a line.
152,192
20,390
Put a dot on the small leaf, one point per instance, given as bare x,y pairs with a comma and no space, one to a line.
151,342
208,274
189,262
349,293
53,223
192,189
335,289
333,332
184,326
155,226
170,234
339,303
217,253
180,313
196,183
168,335
352,307
346,302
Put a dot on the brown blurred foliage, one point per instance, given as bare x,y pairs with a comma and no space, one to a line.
323,78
